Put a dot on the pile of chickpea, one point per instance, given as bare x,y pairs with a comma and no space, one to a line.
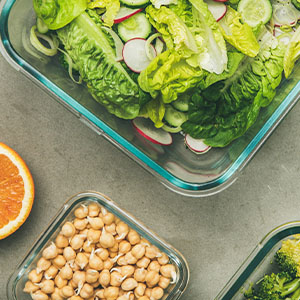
98,256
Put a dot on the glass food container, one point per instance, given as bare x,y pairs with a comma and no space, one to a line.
19,277
175,166
259,262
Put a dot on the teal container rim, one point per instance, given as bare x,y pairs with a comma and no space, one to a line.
178,185
236,283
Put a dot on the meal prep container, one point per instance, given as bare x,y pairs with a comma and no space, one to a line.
20,275
259,262
175,166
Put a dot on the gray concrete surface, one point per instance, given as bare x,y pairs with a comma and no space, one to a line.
215,234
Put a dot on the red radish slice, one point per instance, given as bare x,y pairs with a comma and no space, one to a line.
220,0
217,8
125,13
155,135
135,56
285,14
196,145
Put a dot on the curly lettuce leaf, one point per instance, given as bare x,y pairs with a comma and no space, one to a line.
106,79
225,110
111,7
58,13
238,34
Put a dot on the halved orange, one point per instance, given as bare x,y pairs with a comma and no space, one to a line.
16,191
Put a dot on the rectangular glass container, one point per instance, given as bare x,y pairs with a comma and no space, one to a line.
259,262
19,277
175,166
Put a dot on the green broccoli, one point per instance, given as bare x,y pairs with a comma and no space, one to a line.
288,256
275,287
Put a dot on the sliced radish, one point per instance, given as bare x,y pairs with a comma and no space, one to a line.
220,0
284,37
217,8
196,145
135,55
125,13
285,14
155,135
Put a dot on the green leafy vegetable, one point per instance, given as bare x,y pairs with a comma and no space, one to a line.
58,13
106,79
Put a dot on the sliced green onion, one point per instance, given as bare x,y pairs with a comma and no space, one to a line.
34,39
148,45
118,42
70,66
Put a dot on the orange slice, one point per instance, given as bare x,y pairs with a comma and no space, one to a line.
16,191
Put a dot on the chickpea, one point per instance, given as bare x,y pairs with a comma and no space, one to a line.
34,276
116,278
100,293
59,261
130,259
30,287
96,223
122,261
111,292
102,253
157,292
152,278
106,240
66,272
151,252
86,291
47,286
163,259
129,284
108,264
87,247
81,260
61,241
95,262
39,295
43,265
80,224
60,282
138,251
140,274
148,292
94,210
114,248
69,253
56,295
124,246
93,235
77,241
104,278
51,272
81,212
164,282
72,284
168,271
139,291
68,229
143,262
127,270
67,291
91,276
113,254
108,218
154,266
133,237
122,230
144,298
76,298
78,278
50,252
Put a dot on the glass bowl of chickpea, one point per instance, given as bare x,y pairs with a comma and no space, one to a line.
95,250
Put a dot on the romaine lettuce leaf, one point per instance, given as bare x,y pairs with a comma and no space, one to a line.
106,79
58,13
238,34
226,109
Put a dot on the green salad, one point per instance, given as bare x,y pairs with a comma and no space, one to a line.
200,67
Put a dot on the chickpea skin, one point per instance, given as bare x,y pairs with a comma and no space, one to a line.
60,282
91,276
102,253
96,223
124,246
138,251
107,240
157,293
133,237
30,287
50,252
47,286
151,252
43,265
108,218
81,212
59,261
39,295
163,259
77,242
127,270
93,210
152,278
122,230
80,224
51,272
86,291
140,274
61,241
164,282
144,298
67,291
111,292
68,229
104,278
116,278
154,266
66,272
168,271
130,259
35,277
139,291
56,295
129,284
69,253
143,262
93,235
76,298
78,278
95,262
81,260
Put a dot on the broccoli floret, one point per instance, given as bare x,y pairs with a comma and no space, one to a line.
274,287
288,256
